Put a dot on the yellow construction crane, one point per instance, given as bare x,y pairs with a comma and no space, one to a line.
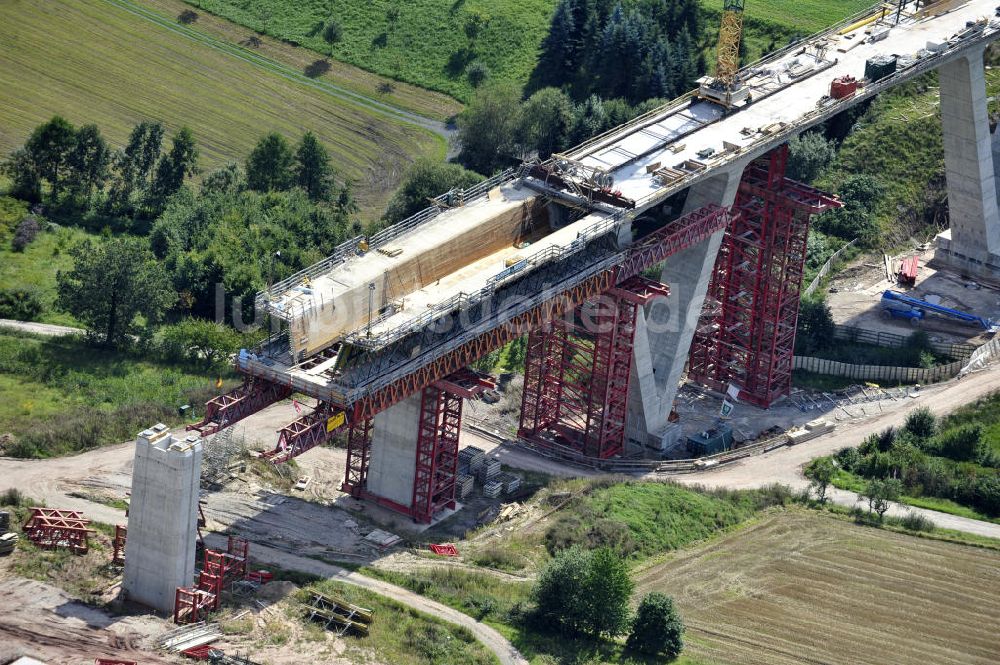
725,87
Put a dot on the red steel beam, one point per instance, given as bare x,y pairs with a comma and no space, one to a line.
254,395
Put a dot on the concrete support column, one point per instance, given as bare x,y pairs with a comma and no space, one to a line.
394,451
162,518
665,328
974,241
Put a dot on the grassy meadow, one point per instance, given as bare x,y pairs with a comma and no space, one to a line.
94,61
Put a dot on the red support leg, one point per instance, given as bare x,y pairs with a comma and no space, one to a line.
437,452
359,441
746,334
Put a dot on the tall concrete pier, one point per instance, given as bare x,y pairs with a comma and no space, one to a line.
972,243
162,518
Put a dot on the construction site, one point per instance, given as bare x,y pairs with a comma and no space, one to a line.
655,274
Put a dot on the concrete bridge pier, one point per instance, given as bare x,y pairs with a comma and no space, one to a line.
664,330
972,243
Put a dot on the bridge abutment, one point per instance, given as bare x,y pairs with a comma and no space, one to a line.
972,243
665,328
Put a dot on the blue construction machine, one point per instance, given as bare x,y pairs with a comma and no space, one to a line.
901,306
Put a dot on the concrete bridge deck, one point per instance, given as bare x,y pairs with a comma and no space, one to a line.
464,255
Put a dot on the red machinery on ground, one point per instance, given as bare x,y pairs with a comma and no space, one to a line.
907,275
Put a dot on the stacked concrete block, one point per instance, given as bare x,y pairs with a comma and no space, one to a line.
472,459
464,485
163,518
490,470
492,489
509,482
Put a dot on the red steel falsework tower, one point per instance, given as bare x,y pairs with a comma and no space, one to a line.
746,333
577,369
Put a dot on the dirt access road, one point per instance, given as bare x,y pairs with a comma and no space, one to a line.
785,465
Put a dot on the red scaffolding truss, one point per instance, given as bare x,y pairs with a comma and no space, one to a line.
306,432
50,528
118,545
576,382
746,333
240,402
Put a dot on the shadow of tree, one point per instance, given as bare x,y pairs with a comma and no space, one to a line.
380,40
317,68
187,17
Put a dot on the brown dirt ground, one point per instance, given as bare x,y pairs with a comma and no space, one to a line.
800,587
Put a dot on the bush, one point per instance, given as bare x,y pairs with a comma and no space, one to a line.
26,233
657,628
20,304
477,72
582,591
916,522
921,423
201,341
848,458
964,444
332,33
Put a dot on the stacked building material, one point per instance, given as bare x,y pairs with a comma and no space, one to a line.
471,459
489,471
811,430
464,485
492,489
510,482
337,614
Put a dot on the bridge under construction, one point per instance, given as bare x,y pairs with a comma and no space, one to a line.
672,241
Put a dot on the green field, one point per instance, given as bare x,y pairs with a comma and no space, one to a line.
58,395
428,46
93,61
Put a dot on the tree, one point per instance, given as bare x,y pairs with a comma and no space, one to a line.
475,23
822,472
545,122
808,154
964,444
487,129
657,628
312,168
477,72
180,162
89,161
580,591
608,589
49,148
861,195
880,493
424,180
26,181
201,340
270,165
111,284
815,326
134,166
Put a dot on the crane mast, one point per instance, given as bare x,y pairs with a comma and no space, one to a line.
725,87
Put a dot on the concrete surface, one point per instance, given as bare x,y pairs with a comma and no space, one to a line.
394,451
162,519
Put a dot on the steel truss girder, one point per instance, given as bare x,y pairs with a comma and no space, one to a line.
224,410
305,433
746,334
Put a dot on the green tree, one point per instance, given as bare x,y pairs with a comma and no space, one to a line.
332,33
815,326
862,195
134,167
559,592
201,340
26,182
822,472
424,180
607,593
545,122
270,165
657,628
808,155
88,162
880,493
111,285
49,148
313,172
180,162
487,129
964,444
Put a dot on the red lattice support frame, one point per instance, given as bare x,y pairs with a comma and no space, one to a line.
254,395
577,373
118,545
359,441
50,528
746,333
306,432
191,604
437,453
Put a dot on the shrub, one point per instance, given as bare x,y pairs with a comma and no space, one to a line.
963,444
477,73
20,304
921,423
26,233
916,522
11,497
657,628
582,591
332,33
848,458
